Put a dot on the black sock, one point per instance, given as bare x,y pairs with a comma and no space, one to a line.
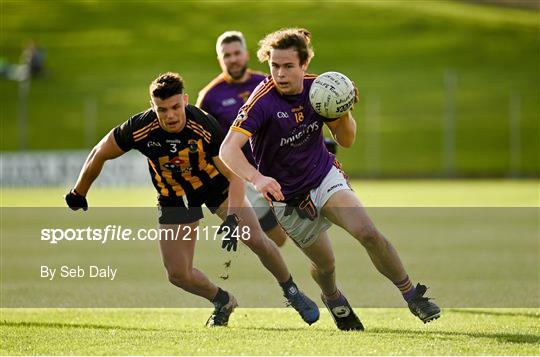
221,298
286,286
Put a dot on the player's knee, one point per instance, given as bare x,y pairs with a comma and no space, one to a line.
179,277
328,267
367,235
257,244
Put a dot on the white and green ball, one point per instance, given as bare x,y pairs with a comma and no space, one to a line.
331,94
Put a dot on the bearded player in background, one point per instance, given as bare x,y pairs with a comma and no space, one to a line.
223,97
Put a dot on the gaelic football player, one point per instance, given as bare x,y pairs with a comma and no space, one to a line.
307,186
182,144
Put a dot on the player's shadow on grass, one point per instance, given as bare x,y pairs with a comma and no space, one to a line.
127,328
71,325
494,313
273,329
503,337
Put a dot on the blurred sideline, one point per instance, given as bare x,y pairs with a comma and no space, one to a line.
372,193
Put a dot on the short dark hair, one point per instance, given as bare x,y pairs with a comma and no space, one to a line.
166,85
229,37
297,38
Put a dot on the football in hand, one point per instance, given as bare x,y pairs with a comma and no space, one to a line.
332,94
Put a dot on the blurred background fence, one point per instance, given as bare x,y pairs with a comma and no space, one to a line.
447,88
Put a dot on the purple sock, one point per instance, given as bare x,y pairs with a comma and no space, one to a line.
406,288
339,301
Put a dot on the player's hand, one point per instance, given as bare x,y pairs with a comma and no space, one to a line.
76,201
268,187
331,145
229,240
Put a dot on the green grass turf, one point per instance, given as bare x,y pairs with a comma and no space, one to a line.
266,332
470,257
373,193
106,53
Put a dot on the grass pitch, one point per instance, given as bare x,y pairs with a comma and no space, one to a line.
266,332
465,261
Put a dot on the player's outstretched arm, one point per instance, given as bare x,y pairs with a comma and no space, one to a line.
106,149
236,186
235,203
232,155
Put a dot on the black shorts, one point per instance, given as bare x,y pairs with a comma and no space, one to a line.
175,211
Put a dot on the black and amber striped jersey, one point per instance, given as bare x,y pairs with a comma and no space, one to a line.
180,164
